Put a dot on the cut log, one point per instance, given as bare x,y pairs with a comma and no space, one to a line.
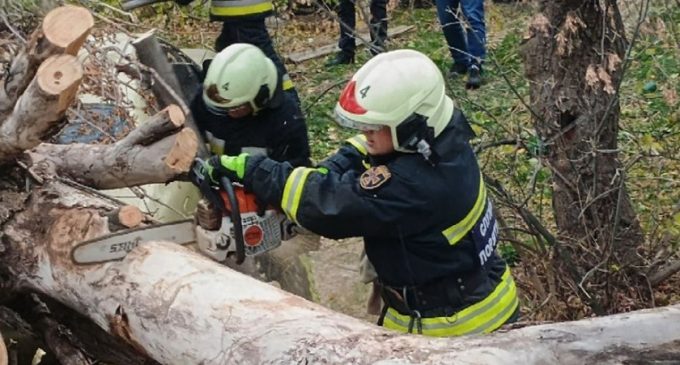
41,108
127,216
165,122
63,31
181,308
167,90
117,165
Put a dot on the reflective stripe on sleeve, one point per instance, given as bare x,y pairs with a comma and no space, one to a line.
359,142
216,144
482,317
240,7
292,191
457,231
287,83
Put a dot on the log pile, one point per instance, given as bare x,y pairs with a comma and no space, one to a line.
166,304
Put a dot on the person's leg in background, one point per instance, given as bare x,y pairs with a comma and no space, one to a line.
378,27
451,21
227,37
476,40
254,31
347,42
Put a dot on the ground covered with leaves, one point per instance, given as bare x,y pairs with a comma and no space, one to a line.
509,151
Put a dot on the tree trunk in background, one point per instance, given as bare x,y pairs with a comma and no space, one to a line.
573,58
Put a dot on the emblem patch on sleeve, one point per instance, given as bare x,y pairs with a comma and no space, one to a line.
374,177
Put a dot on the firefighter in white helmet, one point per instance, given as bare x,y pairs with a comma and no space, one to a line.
241,108
409,185
244,22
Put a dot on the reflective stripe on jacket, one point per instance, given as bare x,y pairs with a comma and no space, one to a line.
484,316
225,9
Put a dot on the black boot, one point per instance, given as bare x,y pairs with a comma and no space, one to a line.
474,80
457,69
341,58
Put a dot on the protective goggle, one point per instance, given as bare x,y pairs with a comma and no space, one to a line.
346,122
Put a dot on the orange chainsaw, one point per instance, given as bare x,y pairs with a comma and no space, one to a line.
228,223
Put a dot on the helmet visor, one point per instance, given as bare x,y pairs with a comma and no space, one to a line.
354,124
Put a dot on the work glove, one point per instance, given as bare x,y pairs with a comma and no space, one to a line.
232,167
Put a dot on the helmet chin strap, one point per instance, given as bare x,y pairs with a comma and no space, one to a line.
428,154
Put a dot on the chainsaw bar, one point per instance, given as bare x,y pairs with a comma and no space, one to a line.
117,245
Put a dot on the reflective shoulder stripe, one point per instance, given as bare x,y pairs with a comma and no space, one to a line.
292,191
240,7
482,317
287,83
359,142
457,231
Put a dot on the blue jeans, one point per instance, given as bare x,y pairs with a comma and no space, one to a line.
467,46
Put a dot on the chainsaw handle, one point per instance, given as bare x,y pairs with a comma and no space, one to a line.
235,219
134,4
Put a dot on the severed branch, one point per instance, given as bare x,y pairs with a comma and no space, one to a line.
63,31
664,273
158,151
41,107
151,55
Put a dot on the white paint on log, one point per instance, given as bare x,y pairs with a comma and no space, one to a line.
181,308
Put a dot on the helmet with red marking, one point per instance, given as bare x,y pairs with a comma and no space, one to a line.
403,90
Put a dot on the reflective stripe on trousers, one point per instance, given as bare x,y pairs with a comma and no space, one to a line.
482,317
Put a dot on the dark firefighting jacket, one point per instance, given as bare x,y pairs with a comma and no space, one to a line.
429,230
277,131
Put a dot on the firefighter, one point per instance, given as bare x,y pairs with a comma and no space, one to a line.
411,186
243,22
241,108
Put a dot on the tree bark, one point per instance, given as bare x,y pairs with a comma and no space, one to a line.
573,59
63,31
178,307
150,54
155,152
41,107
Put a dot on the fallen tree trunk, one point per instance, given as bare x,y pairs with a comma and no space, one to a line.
180,308
155,152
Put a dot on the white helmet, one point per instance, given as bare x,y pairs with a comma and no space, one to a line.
403,90
239,74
